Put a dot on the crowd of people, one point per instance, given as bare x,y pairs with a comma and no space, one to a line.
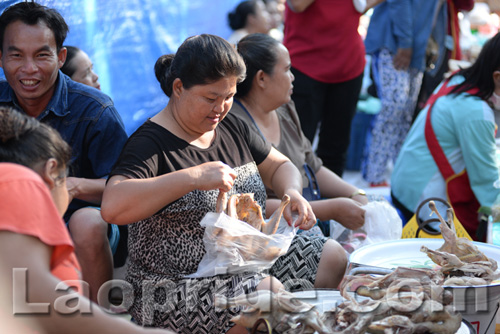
241,117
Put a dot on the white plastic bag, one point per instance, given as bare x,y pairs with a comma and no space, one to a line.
233,246
382,223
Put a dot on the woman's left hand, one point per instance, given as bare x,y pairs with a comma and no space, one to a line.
72,184
299,205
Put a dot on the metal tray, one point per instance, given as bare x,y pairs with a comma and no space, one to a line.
406,253
328,299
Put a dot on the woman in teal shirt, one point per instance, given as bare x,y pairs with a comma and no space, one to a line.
464,125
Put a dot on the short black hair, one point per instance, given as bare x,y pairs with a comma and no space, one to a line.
238,17
260,52
200,60
31,13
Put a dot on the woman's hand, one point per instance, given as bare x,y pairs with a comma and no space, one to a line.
89,190
214,175
298,204
361,199
402,58
72,186
348,212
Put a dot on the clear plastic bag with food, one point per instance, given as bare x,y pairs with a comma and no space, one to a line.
233,246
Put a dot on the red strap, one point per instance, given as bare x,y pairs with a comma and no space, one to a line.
430,137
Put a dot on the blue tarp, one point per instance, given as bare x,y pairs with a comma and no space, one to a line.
124,38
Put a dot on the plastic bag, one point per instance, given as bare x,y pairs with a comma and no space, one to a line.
233,246
382,223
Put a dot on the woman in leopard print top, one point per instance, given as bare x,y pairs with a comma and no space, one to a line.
168,177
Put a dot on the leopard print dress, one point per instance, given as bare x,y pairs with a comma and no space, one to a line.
164,298
168,246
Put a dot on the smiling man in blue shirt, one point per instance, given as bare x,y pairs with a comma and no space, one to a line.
32,52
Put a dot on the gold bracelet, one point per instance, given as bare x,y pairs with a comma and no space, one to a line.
358,192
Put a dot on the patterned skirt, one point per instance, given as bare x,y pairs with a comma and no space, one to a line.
187,305
297,269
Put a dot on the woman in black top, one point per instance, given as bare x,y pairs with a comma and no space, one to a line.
169,176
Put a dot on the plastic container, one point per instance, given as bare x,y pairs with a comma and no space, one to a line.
478,305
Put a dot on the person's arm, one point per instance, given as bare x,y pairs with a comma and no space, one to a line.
104,143
332,186
402,58
299,6
346,211
22,251
338,203
477,143
89,190
402,22
279,174
372,3
128,200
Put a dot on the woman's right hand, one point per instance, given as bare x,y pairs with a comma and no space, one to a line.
214,175
348,212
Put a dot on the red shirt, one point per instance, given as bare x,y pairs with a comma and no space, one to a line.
27,208
324,42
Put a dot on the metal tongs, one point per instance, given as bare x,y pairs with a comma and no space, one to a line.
361,269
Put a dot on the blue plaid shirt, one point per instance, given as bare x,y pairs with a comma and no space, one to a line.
87,119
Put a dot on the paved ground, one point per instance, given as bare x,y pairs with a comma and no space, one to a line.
354,178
